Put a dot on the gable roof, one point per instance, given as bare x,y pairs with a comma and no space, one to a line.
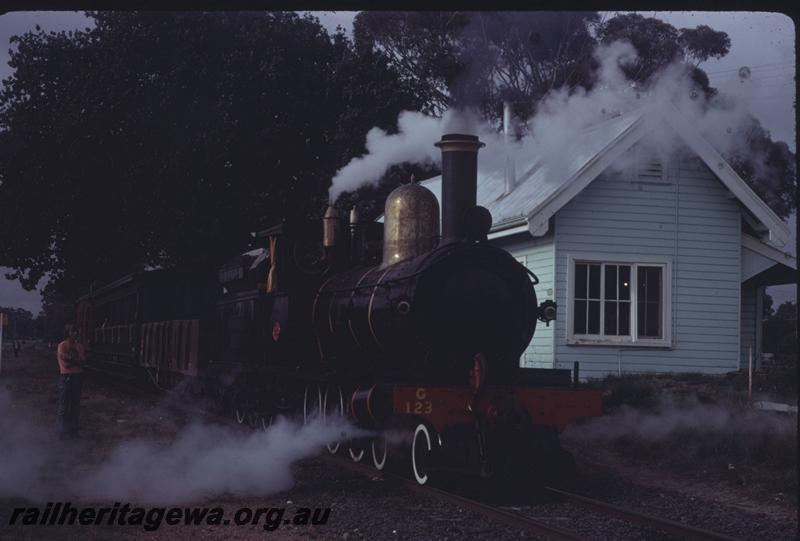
543,188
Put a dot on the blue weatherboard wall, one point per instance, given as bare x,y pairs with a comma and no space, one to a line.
691,218
538,255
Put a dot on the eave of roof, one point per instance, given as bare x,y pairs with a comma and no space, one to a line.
770,252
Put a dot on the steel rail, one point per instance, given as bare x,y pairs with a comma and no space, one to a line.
643,519
508,517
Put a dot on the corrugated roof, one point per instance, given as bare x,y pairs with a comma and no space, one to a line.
542,177
546,183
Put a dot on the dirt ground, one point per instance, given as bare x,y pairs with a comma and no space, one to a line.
361,508
108,416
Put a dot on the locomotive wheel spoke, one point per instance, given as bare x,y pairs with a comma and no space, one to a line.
356,450
380,451
240,413
333,408
420,453
312,403
266,422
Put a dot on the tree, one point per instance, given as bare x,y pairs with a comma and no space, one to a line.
767,303
780,333
768,166
659,44
20,324
163,139
702,42
478,59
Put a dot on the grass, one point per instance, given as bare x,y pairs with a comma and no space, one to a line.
716,434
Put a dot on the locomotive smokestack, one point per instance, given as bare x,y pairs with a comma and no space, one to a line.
330,227
459,182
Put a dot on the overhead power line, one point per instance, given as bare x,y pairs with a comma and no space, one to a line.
760,67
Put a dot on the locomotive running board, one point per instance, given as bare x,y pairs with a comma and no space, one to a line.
443,406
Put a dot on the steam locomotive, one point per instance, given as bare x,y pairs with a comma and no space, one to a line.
412,334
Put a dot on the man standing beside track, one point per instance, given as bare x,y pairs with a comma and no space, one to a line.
70,356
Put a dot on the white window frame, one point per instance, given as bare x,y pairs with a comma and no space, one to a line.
633,340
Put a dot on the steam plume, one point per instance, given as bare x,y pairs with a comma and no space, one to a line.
202,461
209,460
560,117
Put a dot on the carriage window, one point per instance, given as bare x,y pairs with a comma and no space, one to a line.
619,303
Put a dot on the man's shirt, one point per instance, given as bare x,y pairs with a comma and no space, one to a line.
70,356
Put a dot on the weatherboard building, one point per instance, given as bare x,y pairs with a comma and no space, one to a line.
656,261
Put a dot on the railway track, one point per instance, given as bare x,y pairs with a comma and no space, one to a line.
510,517
641,519
539,527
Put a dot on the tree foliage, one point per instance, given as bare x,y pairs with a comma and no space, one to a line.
768,167
656,43
21,324
659,44
478,59
780,333
165,138
703,42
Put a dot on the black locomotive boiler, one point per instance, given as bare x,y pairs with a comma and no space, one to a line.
419,334
430,307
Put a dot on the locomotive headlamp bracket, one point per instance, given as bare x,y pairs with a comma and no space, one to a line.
547,312
403,307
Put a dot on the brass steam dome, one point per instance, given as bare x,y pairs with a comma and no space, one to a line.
411,223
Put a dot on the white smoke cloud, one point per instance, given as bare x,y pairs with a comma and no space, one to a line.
672,415
413,143
560,117
24,452
205,461
202,461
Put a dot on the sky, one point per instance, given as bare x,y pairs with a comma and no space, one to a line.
764,42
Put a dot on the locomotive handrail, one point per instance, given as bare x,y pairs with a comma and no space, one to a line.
387,283
416,273
535,278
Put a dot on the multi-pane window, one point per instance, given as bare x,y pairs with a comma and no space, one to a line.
619,302
648,302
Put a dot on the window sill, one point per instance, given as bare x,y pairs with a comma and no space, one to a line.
658,344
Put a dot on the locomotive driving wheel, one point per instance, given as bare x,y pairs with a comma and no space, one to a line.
240,405
380,451
421,453
312,403
356,447
333,409
356,450
267,421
